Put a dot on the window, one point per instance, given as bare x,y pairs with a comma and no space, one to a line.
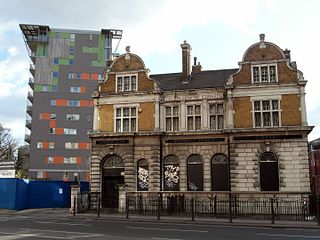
194,117
142,175
78,75
75,89
70,160
73,103
71,75
73,117
55,74
50,160
52,130
266,113
71,145
264,74
171,174
195,173
71,50
70,131
52,116
172,118
126,119
126,83
53,102
100,76
71,62
40,145
216,116
269,173
72,37
56,61
54,88
44,88
219,173
51,145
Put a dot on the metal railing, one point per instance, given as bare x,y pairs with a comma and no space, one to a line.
229,206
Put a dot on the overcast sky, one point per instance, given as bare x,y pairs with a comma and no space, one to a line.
219,33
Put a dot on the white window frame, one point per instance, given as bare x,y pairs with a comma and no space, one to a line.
260,66
216,114
271,111
71,145
70,160
194,116
70,131
50,160
73,117
39,145
73,103
122,77
171,118
51,145
75,89
121,117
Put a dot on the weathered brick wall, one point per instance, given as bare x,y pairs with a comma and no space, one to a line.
106,123
242,112
146,116
255,53
122,65
290,114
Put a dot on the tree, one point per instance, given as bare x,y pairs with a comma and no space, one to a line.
8,145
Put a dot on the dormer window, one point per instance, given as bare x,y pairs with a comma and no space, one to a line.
126,83
264,74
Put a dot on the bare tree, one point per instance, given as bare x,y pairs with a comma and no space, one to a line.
8,144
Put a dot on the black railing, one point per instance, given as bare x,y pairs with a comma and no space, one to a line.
228,206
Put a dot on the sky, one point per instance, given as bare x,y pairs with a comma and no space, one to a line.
219,33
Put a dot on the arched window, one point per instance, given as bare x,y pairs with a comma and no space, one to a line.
195,173
142,175
171,173
219,173
269,173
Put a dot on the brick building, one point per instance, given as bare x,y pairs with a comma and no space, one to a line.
240,130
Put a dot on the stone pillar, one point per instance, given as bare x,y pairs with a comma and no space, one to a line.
96,118
183,116
157,116
122,198
75,190
229,109
205,114
304,121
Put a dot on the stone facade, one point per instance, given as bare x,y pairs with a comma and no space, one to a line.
240,130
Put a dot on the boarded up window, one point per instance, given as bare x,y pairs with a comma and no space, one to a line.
269,173
219,173
171,172
142,175
195,173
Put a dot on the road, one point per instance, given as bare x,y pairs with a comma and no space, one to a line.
35,226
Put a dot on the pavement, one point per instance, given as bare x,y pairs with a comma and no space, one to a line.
64,213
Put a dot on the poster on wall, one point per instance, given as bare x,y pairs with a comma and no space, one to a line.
7,169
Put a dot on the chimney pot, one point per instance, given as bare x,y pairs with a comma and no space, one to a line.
186,49
195,61
262,36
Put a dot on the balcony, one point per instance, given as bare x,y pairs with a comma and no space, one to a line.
27,138
30,96
32,69
31,83
29,110
28,124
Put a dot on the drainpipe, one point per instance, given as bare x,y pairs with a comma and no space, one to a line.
161,161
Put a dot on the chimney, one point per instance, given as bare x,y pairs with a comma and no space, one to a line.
186,49
287,54
196,67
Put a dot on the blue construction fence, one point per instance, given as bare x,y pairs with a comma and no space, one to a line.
21,194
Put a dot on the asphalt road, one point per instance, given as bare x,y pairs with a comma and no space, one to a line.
34,225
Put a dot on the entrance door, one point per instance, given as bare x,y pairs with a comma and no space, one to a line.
112,177
110,195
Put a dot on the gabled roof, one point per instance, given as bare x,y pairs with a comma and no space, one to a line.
197,80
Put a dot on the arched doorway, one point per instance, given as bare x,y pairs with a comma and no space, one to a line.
112,177
269,172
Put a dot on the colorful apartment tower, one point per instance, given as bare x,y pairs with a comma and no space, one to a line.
65,68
